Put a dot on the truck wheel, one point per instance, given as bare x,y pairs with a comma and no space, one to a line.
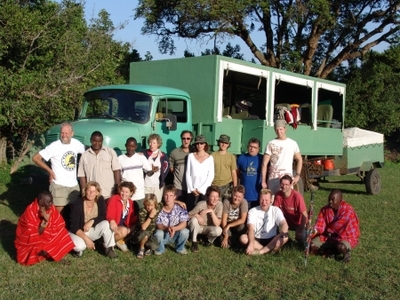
373,182
299,186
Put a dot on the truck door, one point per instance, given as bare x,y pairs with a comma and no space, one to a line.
166,108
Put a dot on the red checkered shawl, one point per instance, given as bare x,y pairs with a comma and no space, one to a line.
342,226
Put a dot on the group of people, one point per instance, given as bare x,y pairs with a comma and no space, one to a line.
248,201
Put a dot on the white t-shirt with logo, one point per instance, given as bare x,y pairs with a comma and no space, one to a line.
281,154
63,158
266,223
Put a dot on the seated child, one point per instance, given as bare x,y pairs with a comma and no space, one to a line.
147,219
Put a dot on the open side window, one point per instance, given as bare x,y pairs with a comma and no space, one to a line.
329,109
289,95
244,96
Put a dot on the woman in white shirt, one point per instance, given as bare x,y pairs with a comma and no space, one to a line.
199,172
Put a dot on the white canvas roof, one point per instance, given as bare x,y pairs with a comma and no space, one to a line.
356,137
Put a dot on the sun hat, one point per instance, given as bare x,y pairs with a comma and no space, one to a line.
200,139
280,123
243,104
224,139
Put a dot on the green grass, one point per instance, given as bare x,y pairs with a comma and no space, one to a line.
216,273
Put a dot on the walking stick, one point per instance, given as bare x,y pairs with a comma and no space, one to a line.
309,229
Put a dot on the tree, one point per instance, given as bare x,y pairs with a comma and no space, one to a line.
49,56
373,93
233,52
229,51
124,68
312,37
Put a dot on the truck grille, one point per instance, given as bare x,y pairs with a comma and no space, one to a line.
55,136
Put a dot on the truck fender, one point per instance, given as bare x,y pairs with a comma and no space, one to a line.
369,165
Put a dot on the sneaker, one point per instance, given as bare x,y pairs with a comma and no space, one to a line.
208,243
158,253
110,252
121,245
147,252
347,257
195,247
183,252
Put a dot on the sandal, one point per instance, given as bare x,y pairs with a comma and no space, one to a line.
256,252
148,252
140,253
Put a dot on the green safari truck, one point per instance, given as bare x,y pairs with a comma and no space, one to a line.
203,94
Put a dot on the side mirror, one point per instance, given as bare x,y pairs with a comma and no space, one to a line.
171,122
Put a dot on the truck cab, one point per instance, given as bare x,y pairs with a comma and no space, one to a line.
122,111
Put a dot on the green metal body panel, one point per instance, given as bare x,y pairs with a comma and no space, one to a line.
319,142
198,77
356,160
366,157
203,78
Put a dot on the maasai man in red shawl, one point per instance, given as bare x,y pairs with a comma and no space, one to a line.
337,227
41,232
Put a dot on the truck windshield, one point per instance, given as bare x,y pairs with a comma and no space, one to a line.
118,105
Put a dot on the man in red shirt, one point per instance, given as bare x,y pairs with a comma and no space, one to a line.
337,227
293,207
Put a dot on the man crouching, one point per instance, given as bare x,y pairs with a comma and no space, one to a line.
262,223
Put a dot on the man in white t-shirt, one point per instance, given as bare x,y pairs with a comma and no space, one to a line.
263,222
63,155
279,154
132,167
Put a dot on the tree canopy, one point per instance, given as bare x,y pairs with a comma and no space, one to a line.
373,94
49,56
312,37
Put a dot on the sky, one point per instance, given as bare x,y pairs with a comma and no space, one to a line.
122,11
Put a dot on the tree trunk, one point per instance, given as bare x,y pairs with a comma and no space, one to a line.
27,146
3,148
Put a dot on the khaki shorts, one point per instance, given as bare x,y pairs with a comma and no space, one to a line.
64,195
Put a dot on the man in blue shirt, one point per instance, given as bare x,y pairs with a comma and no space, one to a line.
249,171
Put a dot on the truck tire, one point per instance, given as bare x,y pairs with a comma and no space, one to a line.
299,186
373,182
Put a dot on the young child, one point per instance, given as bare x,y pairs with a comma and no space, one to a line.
147,219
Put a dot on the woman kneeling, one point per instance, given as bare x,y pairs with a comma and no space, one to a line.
88,221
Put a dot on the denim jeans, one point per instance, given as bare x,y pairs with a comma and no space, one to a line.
179,239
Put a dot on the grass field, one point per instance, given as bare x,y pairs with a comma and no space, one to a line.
214,273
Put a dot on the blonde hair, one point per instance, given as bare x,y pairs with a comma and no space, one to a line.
150,198
155,136
265,192
88,185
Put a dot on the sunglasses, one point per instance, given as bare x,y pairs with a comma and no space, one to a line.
186,138
200,143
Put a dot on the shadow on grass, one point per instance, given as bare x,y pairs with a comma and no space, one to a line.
7,237
23,187
344,190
